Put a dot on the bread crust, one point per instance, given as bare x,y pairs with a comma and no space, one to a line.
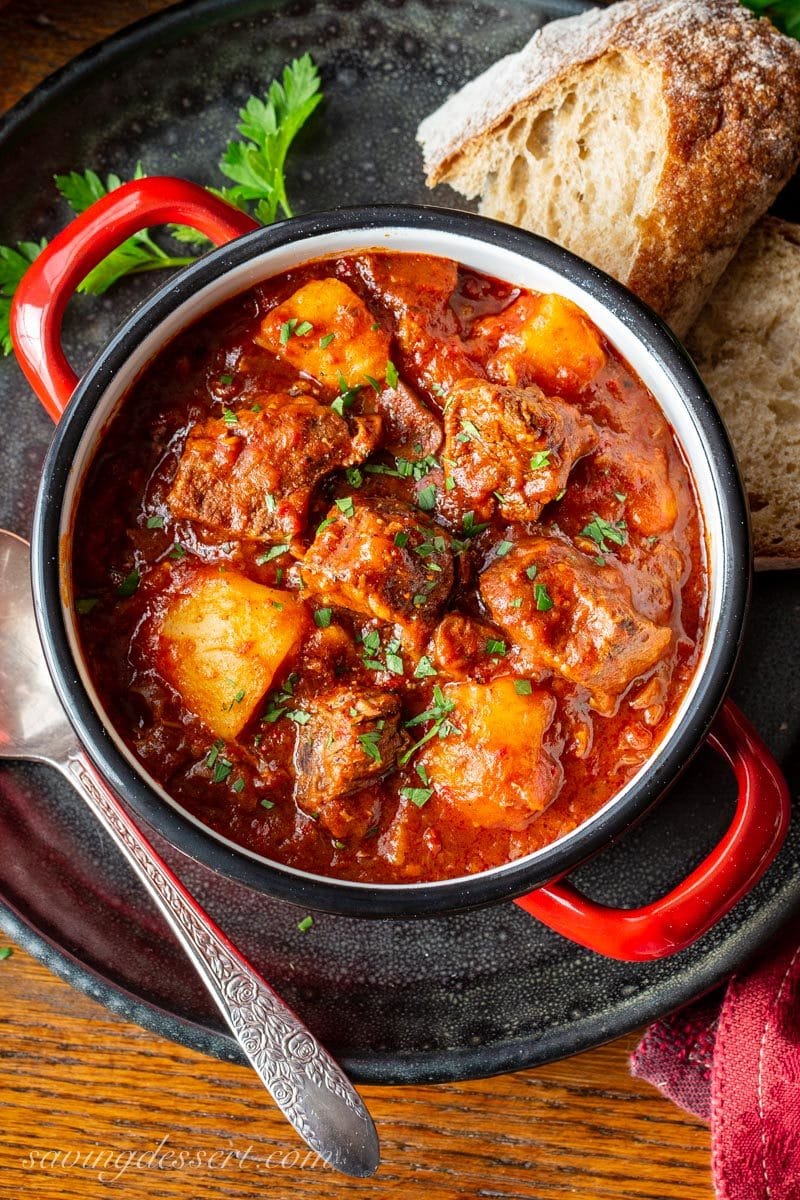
731,85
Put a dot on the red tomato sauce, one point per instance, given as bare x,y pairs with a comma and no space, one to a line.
460,520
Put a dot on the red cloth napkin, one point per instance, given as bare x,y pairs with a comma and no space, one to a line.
733,1059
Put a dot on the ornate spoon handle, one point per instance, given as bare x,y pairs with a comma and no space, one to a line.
302,1078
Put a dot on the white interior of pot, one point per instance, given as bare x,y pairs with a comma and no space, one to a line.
480,256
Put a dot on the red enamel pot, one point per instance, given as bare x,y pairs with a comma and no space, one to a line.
247,254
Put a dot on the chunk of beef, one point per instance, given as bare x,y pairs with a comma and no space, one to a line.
459,647
384,559
543,339
326,331
254,477
352,738
567,614
497,772
417,290
511,443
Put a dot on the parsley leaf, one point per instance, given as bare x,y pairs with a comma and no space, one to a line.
268,127
598,530
254,165
137,254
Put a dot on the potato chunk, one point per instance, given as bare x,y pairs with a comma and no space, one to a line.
221,640
385,560
254,476
543,339
330,307
569,615
511,446
497,773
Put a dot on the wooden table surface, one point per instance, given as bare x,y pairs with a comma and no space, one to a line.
92,1105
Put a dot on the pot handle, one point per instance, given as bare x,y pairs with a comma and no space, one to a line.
711,890
42,295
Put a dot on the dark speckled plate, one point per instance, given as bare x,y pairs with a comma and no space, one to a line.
395,1000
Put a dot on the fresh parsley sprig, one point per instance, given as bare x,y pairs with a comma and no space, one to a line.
139,253
254,165
268,127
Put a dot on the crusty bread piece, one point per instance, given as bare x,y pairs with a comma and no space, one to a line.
647,137
746,344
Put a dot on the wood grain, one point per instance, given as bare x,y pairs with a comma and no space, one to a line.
92,1105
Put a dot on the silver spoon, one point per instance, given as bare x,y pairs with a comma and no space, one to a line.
304,1081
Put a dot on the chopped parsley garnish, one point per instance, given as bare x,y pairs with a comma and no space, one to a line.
449,483
373,382
5,952
354,477
369,743
469,432
621,496
322,618
129,584
226,380
256,408
394,663
495,646
305,924
516,602
427,498
523,687
267,804
542,597
177,552
325,341
540,460
273,552
155,522
298,716
345,506
237,699
560,495
325,524
222,769
425,668
400,539
270,502
229,417
238,785
86,604
287,329
346,396
599,530
417,795
532,571
442,726
279,702
392,377
470,528
503,549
